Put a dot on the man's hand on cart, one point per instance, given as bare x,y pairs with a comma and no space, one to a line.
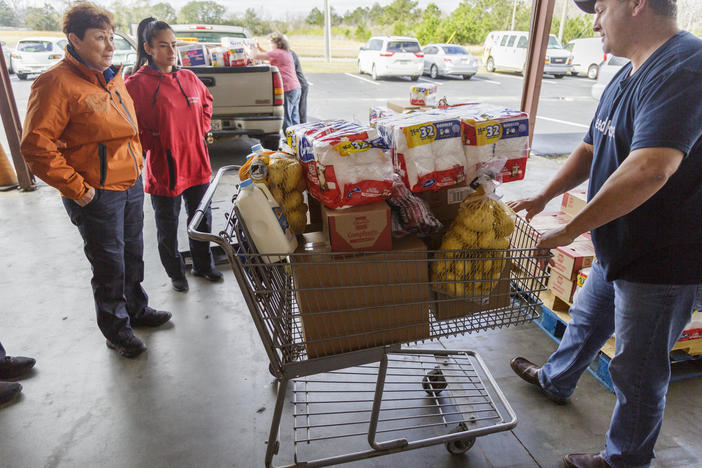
532,205
552,239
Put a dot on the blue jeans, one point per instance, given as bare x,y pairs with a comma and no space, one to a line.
111,226
647,320
292,111
167,211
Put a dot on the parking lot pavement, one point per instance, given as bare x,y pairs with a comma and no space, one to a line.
565,107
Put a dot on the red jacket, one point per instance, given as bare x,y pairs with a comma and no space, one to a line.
174,111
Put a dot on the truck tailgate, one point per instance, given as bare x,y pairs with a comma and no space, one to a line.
236,88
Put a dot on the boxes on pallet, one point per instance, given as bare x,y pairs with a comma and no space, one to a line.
574,201
561,286
570,259
361,301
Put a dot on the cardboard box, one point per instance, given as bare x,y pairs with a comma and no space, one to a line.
363,300
444,203
361,228
573,202
403,107
561,286
447,307
570,259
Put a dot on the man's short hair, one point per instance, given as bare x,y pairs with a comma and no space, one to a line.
665,7
86,15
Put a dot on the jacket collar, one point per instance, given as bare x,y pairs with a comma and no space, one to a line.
150,69
92,75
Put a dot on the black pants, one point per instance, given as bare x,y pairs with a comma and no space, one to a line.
303,104
167,210
111,226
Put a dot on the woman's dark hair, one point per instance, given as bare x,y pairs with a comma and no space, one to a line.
86,15
147,30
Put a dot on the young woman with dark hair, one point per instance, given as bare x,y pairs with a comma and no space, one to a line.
174,110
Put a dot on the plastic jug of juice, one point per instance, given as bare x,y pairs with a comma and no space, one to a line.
265,221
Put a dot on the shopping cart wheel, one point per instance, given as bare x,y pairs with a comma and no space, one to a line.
460,446
434,382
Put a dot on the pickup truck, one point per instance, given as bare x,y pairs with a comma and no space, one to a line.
248,100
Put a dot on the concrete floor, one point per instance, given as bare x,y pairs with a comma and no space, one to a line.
202,395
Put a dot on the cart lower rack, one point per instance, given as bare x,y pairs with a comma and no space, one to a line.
335,324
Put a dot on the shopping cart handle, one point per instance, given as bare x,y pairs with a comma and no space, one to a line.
193,233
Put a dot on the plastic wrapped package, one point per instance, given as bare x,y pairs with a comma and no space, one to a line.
427,148
483,223
194,55
424,95
494,132
376,112
345,164
410,214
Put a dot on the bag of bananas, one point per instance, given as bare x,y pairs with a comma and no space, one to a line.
472,255
282,173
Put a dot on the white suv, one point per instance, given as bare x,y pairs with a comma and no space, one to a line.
507,50
391,56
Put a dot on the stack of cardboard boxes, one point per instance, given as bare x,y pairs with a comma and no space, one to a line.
569,260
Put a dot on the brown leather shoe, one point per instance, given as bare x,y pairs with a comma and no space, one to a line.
529,372
13,367
585,460
525,369
8,392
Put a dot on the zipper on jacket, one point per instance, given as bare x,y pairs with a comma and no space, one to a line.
171,170
102,154
127,117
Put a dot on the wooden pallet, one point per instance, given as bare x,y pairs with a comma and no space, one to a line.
554,323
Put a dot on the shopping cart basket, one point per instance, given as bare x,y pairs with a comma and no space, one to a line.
336,325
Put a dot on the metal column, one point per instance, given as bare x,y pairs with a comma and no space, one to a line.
13,127
541,16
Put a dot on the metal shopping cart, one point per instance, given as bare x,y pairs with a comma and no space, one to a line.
336,325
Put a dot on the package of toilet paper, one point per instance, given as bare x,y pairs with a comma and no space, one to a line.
427,148
346,164
493,132
423,95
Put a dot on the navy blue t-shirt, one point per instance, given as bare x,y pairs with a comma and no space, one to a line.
658,106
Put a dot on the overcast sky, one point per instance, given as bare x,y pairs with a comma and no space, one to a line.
271,9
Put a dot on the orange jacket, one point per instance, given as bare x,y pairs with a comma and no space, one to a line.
80,132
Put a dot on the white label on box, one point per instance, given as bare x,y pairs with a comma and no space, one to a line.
457,195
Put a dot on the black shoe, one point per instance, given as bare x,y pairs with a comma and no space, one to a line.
529,372
128,346
150,318
14,367
8,392
585,460
215,275
180,284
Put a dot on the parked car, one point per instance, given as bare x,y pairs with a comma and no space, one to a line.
6,52
34,55
207,33
608,69
507,50
125,53
587,56
449,60
391,56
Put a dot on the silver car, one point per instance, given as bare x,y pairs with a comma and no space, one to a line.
449,60
607,70
34,55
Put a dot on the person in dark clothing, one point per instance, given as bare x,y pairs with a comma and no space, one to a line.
643,158
12,367
304,87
